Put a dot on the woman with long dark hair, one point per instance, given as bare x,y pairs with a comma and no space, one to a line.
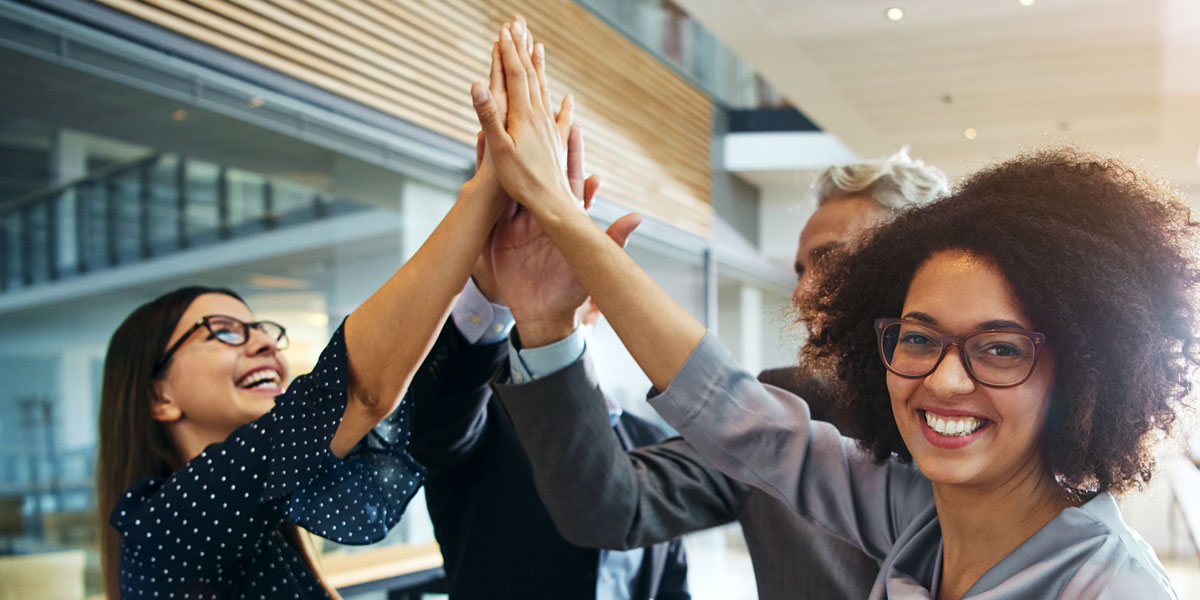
209,469
1010,355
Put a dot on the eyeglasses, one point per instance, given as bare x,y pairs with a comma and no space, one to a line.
227,330
997,358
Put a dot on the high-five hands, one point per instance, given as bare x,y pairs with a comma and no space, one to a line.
529,152
530,273
528,138
538,284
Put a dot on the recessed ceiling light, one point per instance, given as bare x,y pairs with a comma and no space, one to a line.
1025,2
179,115
256,101
895,13
970,133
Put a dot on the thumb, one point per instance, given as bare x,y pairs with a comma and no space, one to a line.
622,228
479,148
590,186
489,116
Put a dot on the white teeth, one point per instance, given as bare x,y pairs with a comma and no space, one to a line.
953,426
263,378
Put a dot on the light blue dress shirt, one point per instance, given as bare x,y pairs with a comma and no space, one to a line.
481,322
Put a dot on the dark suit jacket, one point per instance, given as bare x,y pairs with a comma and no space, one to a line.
496,537
601,496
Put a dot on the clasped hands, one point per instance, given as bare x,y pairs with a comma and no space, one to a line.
529,159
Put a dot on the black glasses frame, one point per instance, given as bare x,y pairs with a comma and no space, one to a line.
281,340
947,340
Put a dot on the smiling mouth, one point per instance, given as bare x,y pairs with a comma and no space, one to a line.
260,379
954,426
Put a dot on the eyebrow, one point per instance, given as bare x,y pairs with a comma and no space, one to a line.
992,324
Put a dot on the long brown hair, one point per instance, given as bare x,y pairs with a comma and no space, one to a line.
134,446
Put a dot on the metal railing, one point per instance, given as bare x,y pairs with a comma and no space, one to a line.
142,209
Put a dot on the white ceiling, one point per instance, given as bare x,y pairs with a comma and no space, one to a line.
1119,76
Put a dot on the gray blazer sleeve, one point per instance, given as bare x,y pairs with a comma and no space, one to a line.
598,494
763,436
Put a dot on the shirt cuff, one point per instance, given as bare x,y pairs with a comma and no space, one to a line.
528,364
478,320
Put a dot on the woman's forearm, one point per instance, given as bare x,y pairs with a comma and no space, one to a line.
389,335
657,331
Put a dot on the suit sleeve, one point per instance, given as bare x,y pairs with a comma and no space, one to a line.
598,494
764,436
449,399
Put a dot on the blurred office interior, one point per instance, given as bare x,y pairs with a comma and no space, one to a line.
299,152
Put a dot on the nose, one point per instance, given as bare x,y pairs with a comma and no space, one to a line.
950,378
260,343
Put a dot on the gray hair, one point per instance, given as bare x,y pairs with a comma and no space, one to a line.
895,183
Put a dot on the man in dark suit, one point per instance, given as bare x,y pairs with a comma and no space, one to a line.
601,495
496,537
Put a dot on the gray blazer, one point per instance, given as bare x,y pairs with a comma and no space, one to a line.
599,495
763,436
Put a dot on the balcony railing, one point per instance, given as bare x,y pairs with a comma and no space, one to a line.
153,206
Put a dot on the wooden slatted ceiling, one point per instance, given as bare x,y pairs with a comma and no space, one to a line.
648,131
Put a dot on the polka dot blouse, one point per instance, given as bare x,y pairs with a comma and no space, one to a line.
211,530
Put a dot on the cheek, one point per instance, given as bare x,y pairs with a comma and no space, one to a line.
900,389
210,370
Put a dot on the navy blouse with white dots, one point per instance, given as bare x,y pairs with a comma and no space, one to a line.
211,529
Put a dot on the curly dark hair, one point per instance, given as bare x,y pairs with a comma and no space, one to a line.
1101,257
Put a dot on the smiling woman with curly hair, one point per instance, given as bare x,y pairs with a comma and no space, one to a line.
1099,258
1008,355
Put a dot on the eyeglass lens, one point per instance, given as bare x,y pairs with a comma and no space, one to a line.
235,333
996,358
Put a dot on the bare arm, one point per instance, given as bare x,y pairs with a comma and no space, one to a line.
389,335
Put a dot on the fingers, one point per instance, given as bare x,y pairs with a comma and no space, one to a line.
565,116
622,228
525,25
539,65
575,161
515,79
590,186
490,118
521,35
496,81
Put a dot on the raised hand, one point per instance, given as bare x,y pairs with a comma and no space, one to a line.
529,156
486,183
536,281
485,180
527,143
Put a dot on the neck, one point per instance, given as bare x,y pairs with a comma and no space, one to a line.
190,441
983,524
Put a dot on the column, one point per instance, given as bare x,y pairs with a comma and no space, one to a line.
68,162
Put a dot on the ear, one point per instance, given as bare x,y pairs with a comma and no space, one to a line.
162,407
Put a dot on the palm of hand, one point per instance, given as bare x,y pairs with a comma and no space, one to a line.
538,283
